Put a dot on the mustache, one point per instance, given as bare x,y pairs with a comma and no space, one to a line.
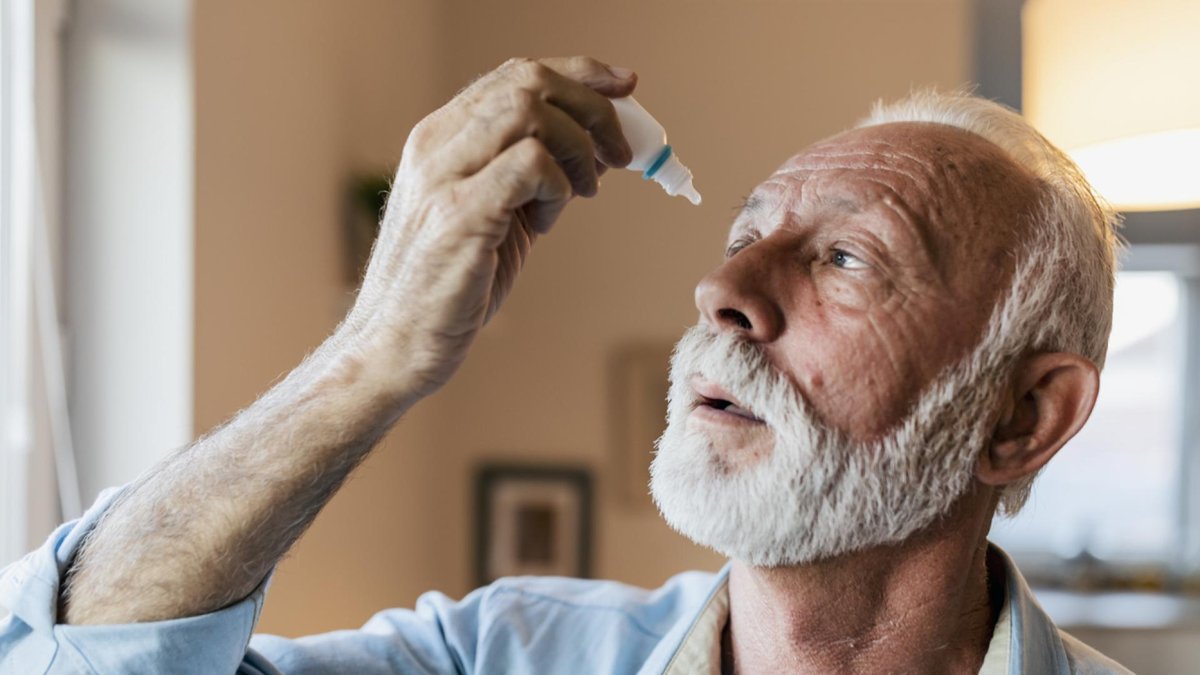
744,369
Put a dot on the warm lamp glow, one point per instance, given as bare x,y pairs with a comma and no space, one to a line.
1116,83
1147,172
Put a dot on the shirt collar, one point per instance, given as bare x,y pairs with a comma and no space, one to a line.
1024,640
1036,645
700,650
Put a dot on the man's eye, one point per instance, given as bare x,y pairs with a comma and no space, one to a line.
846,261
737,246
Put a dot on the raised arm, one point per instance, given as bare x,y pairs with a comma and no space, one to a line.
480,179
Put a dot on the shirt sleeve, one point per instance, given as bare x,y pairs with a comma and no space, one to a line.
439,636
32,641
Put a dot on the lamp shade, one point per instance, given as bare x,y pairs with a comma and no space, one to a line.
1116,83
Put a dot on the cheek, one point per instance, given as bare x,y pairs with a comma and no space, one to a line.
849,291
842,363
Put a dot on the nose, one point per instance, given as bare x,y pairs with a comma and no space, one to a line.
738,296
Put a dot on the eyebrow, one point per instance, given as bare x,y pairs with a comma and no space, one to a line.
754,204
749,205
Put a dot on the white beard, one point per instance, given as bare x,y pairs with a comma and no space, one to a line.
816,494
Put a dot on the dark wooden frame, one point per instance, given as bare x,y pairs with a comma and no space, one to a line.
489,476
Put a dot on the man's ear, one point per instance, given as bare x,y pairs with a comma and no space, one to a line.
1051,397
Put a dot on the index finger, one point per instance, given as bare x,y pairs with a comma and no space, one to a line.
581,86
598,76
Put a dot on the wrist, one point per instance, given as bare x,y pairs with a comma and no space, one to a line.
374,374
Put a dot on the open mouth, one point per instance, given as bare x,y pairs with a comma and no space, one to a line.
714,397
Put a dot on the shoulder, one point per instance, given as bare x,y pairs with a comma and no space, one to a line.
529,624
653,612
525,622
1085,660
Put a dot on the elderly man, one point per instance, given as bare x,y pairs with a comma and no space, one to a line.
908,324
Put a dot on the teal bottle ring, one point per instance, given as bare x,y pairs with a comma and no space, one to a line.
658,162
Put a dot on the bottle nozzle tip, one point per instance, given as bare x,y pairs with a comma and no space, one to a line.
690,193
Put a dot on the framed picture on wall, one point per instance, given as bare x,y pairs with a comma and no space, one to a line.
532,520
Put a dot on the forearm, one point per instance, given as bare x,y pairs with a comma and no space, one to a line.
203,528
479,181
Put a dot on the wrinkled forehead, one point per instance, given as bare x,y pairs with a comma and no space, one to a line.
945,189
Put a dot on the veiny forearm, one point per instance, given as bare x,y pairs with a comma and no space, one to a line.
203,528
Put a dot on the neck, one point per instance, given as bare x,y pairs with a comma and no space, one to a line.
922,605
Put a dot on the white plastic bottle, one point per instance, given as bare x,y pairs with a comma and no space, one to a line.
651,154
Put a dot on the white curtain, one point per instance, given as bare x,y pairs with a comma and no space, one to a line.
34,430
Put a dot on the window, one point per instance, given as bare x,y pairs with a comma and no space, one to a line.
16,107
1109,510
33,445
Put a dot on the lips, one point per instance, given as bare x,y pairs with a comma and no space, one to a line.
715,397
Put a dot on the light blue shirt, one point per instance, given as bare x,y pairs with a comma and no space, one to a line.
519,625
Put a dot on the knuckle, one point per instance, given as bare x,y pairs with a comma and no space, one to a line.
585,64
421,134
525,101
530,152
535,73
524,111
534,158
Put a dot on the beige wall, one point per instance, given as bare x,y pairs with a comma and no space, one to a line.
292,96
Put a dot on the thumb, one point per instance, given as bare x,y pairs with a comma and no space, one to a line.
620,85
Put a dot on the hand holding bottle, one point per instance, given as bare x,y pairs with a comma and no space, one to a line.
479,180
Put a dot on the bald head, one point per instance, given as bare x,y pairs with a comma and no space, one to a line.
951,205
906,232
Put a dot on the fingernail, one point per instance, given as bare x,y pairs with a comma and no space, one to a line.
621,73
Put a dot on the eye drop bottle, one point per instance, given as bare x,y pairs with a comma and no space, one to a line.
651,154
